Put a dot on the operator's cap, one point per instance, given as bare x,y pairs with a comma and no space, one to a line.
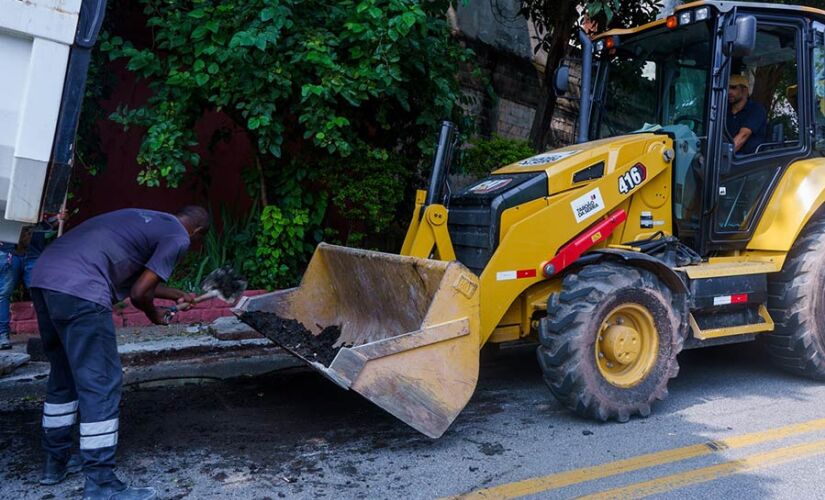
736,80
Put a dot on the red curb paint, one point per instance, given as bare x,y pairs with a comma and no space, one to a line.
24,319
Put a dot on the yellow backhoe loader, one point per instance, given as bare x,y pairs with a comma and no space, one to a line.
660,229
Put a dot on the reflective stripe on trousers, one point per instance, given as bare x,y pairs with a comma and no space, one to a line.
94,435
59,415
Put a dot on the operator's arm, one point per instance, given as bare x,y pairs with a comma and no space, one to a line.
741,138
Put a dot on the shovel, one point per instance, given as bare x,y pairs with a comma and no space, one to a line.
224,283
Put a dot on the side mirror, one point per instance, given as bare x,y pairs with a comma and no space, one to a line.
561,79
740,37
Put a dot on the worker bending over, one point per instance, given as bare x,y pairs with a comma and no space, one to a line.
126,253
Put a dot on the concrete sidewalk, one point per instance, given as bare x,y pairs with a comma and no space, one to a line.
156,353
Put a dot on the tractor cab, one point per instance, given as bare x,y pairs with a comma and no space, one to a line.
681,75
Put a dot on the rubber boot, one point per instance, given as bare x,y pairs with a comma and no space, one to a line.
116,490
5,343
55,471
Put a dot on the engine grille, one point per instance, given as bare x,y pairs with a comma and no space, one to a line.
475,215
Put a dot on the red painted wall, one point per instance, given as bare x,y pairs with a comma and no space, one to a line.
116,187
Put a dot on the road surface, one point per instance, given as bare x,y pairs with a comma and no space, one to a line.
733,427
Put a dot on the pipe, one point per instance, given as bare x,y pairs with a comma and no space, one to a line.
441,162
586,99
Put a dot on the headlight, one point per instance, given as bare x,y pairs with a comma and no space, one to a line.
702,14
599,46
685,17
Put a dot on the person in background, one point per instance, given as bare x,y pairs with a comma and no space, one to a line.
16,264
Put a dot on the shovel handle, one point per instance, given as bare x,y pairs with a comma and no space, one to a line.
171,311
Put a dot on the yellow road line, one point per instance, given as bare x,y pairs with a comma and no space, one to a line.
680,480
567,478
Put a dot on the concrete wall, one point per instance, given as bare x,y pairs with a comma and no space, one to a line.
496,23
514,119
500,37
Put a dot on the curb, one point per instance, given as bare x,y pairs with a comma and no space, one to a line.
181,358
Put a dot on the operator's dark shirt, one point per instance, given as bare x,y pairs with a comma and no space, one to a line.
752,116
101,259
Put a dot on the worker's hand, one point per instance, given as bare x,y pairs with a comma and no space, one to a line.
186,301
157,317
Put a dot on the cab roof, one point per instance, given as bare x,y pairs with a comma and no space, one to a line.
721,7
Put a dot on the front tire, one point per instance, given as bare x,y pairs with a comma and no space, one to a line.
609,341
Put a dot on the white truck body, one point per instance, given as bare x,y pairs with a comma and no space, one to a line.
35,41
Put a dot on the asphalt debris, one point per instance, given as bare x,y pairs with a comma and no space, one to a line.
291,335
491,449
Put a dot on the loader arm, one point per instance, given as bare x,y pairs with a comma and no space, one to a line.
559,227
427,234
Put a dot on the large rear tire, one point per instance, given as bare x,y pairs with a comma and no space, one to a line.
796,302
609,341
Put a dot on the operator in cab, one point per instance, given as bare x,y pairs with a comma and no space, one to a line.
746,120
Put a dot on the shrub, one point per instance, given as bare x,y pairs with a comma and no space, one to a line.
485,155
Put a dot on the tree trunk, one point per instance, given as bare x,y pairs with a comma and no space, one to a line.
565,22
262,179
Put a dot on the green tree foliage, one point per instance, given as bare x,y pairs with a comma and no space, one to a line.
341,98
331,77
485,155
281,249
235,241
368,194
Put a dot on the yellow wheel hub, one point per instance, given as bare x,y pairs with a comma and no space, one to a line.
627,345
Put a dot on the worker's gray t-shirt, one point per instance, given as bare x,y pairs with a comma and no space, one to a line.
101,259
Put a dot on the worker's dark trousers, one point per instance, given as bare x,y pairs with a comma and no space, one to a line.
79,341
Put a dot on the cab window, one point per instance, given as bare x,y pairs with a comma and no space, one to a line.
763,96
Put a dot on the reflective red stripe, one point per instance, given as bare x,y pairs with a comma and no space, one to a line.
739,298
525,273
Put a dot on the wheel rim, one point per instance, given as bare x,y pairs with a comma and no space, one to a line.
627,345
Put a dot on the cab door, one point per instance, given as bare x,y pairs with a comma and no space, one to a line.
743,181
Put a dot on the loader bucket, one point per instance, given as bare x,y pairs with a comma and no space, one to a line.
409,329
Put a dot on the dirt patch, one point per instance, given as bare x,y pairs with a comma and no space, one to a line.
292,335
491,449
